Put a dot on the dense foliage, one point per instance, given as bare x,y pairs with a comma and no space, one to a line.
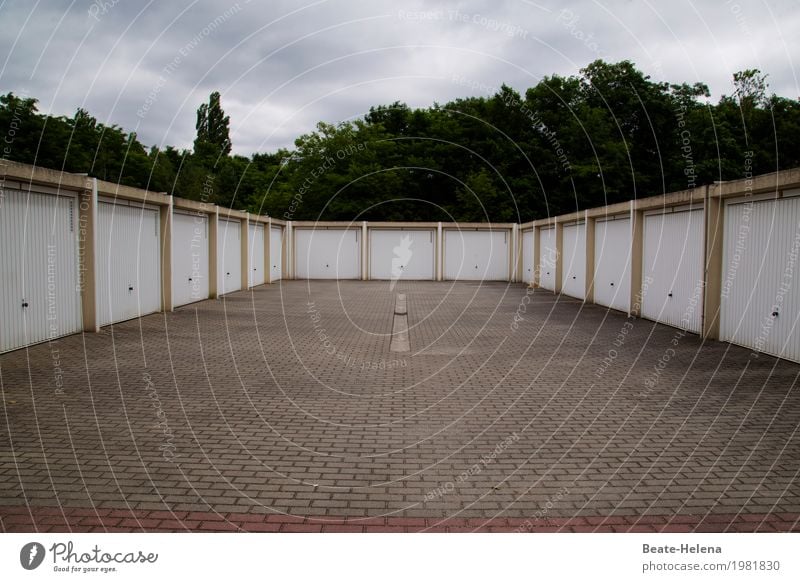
607,135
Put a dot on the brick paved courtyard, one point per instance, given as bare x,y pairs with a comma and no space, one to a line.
283,407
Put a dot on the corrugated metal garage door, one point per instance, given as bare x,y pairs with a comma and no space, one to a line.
402,254
476,255
276,253
527,256
39,284
255,255
612,258
760,299
129,262
547,258
189,257
328,253
673,258
229,256
573,279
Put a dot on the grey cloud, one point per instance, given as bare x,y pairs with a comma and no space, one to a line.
148,69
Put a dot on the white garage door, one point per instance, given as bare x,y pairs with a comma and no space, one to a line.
255,255
673,258
39,290
527,256
402,254
547,258
328,253
476,255
760,298
276,253
612,258
129,262
189,257
573,280
229,256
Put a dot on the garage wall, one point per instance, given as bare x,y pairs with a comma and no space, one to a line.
39,284
527,256
128,265
760,301
673,268
573,280
276,253
333,253
476,255
255,256
229,256
612,258
190,271
547,258
402,254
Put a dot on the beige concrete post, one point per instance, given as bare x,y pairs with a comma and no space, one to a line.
714,221
439,252
267,251
213,259
537,267
637,247
589,230
244,244
87,256
365,274
288,251
559,255
516,254
165,223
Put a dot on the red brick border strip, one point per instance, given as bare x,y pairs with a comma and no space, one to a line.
75,520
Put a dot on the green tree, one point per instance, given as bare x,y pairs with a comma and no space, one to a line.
213,129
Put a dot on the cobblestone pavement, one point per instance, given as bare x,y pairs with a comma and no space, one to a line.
286,401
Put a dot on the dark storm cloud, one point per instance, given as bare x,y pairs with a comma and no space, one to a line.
283,66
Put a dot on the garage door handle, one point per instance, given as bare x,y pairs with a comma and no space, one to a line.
190,278
130,288
774,313
669,294
24,304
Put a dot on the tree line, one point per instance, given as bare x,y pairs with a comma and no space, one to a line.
608,134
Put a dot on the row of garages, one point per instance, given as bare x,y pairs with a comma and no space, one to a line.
74,258
73,261
409,252
725,273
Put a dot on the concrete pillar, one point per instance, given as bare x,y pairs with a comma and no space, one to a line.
288,251
439,252
244,241
365,274
87,256
559,255
537,266
213,258
516,254
714,222
590,224
267,252
637,249
165,222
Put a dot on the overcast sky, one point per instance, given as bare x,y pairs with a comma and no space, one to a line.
283,66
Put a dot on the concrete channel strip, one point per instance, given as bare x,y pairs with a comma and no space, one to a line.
400,341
